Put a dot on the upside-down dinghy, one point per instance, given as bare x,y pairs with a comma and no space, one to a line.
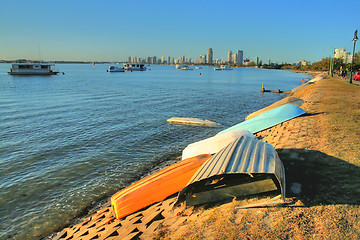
245,167
156,187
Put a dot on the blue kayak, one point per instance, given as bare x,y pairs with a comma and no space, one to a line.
268,119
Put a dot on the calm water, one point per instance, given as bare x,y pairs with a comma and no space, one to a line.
69,140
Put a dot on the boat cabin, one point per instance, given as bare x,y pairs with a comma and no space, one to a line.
32,69
134,67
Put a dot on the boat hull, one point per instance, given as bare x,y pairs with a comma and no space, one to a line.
33,73
156,187
192,121
135,69
288,100
213,144
268,119
245,167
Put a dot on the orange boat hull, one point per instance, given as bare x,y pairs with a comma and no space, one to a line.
156,187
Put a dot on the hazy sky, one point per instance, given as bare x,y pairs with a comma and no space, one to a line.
282,31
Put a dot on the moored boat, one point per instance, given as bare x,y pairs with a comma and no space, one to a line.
32,69
115,69
186,68
156,187
178,66
218,69
224,67
245,167
134,67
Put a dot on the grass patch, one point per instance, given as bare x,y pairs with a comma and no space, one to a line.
340,126
297,222
329,173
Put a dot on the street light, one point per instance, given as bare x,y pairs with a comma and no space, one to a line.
352,60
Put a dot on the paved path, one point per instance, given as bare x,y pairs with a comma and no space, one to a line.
357,82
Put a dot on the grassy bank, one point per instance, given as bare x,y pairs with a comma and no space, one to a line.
329,171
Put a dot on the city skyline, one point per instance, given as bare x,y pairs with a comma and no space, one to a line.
279,31
236,58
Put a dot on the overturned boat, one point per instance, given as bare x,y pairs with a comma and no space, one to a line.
155,187
213,144
192,121
246,167
268,119
288,100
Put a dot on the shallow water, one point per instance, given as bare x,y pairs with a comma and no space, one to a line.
69,140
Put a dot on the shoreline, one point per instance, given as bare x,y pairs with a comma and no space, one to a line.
281,136
103,203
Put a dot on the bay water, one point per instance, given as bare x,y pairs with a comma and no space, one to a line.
70,140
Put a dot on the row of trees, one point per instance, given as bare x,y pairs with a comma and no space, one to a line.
324,65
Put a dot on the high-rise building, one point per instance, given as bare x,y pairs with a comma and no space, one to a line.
229,56
343,55
203,58
240,56
168,60
210,56
256,61
234,58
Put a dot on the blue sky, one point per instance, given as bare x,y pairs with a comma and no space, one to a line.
282,31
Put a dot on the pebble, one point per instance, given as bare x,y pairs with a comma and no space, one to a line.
295,188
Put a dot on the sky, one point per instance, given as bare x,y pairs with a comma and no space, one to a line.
109,30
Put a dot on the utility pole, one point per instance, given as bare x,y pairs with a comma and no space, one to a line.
352,60
331,63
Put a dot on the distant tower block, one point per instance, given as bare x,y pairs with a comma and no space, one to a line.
210,56
229,56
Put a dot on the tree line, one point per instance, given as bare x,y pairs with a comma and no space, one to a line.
324,65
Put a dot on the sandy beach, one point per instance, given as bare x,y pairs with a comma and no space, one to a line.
320,152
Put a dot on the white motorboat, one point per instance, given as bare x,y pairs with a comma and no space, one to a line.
218,69
186,68
134,67
115,69
223,67
177,66
32,69
198,67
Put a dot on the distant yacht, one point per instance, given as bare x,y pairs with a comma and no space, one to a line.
177,66
134,67
32,69
198,67
218,69
223,67
115,69
186,68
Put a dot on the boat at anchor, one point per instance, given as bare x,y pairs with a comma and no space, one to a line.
32,69
115,69
134,67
